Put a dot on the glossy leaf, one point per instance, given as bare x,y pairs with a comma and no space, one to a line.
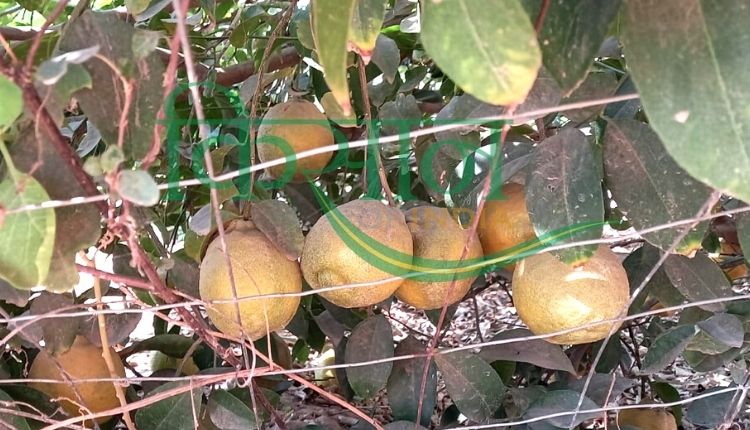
404,384
564,192
10,93
489,49
561,401
330,26
537,352
173,413
370,340
666,347
279,223
472,384
649,187
690,69
698,278
26,238
571,35
367,18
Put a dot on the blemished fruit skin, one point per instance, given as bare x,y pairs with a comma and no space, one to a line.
437,236
505,223
82,361
303,127
328,261
551,296
259,268
646,419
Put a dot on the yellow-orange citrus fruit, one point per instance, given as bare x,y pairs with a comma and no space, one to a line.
82,361
437,237
646,419
328,261
551,296
259,268
293,127
505,223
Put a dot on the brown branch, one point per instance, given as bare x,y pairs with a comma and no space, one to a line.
540,17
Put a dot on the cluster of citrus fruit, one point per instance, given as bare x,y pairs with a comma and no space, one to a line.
363,251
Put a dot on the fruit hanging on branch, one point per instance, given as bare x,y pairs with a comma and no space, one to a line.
438,246
82,361
551,296
259,268
505,223
646,419
288,129
363,241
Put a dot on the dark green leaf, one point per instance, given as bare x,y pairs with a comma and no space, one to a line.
598,85
26,238
227,412
14,422
173,413
404,384
330,27
649,187
387,57
571,35
400,116
564,192
711,411
370,340
279,223
668,394
472,384
119,327
537,352
58,333
173,345
701,362
403,425
603,387
690,69
666,347
103,102
698,278
638,265
544,93
12,102
30,396
561,401
489,49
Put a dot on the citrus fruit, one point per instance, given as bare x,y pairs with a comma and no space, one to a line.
82,361
259,268
379,238
505,223
440,239
552,296
646,419
290,128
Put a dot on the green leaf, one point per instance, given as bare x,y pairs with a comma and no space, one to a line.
649,187
598,85
537,352
571,35
403,425
565,192
387,57
718,334
711,411
405,382
335,113
561,401
26,238
698,278
489,49
472,384
12,101
638,265
173,345
138,187
701,362
666,347
58,333
367,18
173,413
15,422
144,43
228,412
691,70
135,7
370,340
103,102
330,27
279,223
668,394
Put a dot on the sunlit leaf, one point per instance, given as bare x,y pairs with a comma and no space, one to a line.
330,27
